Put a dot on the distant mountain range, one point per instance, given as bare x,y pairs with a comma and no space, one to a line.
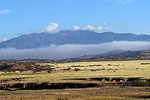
37,40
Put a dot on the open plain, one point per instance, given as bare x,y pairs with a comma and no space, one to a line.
101,80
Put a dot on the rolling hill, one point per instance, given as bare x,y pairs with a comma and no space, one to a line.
118,55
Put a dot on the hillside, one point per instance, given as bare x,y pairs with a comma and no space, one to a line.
118,55
15,66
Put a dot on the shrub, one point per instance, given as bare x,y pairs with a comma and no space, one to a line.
109,65
139,83
76,69
62,99
68,69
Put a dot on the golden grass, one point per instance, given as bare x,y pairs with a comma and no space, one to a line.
124,69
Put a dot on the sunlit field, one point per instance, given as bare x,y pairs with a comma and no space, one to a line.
123,69
81,72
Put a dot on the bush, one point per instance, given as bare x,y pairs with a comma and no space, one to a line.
62,99
68,69
109,65
76,69
139,83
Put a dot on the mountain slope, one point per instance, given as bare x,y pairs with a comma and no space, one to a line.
116,56
36,40
120,53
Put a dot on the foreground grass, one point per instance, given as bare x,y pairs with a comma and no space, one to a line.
110,69
104,93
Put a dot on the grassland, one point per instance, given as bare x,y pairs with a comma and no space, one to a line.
81,72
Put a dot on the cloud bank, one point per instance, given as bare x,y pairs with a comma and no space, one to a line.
52,27
70,51
94,28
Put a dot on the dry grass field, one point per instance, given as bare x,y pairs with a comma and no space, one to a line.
90,74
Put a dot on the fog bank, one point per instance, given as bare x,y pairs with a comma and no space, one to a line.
71,51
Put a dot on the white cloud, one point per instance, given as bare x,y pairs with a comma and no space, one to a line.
69,50
122,1
104,27
4,39
51,27
5,11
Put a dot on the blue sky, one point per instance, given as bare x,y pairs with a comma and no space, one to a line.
28,16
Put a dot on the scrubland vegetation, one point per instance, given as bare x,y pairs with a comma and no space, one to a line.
101,80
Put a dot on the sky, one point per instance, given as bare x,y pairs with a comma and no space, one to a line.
28,16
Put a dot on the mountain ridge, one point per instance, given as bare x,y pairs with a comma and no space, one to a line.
44,39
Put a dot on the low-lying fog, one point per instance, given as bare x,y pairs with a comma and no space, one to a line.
71,51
